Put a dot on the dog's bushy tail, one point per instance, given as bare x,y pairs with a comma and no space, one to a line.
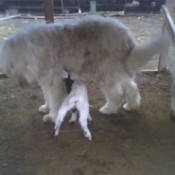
142,53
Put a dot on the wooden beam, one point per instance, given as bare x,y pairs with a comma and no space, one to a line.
48,10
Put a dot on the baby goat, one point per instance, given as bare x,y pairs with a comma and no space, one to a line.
77,99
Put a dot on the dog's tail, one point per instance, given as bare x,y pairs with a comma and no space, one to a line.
141,54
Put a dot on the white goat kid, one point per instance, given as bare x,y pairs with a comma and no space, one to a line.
77,99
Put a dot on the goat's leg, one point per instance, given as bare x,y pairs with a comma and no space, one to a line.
65,107
84,124
73,115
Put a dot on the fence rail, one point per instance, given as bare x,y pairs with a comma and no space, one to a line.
169,23
167,12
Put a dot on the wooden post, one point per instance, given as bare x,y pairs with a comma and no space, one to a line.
93,7
48,9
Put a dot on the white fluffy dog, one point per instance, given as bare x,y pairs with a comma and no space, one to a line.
78,99
102,48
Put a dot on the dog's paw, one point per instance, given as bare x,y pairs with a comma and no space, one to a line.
126,107
106,109
49,118
43,109
46,118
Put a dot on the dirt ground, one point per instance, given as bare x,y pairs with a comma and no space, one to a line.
140,142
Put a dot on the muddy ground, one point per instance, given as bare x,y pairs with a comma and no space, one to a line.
140,142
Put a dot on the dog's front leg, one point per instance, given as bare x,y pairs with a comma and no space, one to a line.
55,94
45,108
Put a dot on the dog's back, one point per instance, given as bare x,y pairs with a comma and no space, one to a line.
79,46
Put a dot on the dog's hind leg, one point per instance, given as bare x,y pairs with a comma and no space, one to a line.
113,96
132,95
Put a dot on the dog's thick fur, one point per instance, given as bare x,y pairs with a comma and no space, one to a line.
78,99
102,48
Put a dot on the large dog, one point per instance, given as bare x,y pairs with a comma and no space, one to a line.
102,48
